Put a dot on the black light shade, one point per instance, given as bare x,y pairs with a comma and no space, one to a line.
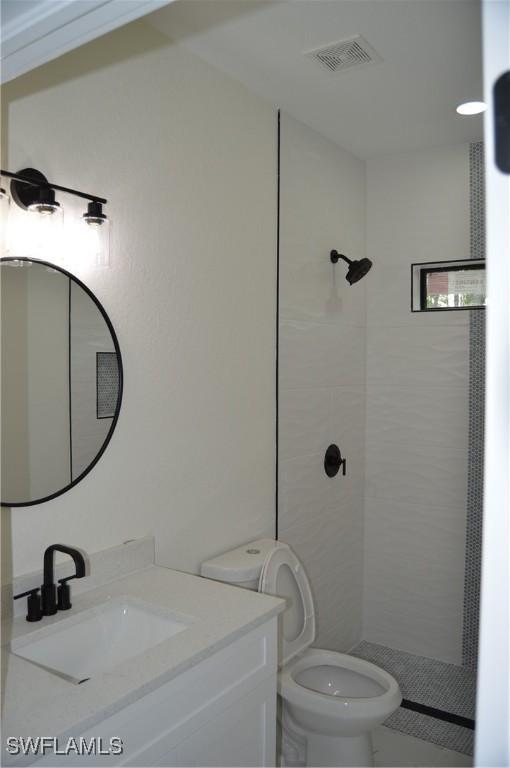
44,202
95,214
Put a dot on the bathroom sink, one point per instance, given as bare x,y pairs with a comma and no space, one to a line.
98,639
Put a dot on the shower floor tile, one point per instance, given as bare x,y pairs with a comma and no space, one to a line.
430,682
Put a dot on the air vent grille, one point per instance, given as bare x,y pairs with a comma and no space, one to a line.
345,54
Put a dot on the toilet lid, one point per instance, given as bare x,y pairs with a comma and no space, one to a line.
284,576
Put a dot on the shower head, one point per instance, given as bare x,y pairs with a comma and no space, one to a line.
357,269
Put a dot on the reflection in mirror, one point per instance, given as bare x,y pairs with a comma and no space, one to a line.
61,381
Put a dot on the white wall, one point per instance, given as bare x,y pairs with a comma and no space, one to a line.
417,408
322,374
187,158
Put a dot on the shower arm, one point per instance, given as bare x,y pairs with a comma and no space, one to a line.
334,255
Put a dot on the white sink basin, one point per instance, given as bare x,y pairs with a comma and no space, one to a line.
98,639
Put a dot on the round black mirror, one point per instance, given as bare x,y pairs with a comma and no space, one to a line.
61,381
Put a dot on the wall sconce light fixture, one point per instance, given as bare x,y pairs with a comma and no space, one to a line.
32,192
97,233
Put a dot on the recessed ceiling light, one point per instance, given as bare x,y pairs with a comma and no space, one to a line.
471,108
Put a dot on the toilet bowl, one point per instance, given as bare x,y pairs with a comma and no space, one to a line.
330,701
335,700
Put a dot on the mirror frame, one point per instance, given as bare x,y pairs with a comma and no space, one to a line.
121,383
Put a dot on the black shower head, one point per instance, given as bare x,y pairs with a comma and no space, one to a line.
357,269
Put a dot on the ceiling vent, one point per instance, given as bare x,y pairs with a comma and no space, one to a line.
345,54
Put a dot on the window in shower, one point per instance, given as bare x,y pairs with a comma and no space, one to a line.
448,285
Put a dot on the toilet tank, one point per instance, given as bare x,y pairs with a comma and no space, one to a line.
240,566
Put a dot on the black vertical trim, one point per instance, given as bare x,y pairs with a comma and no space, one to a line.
502,122
277,312
70,382
423,288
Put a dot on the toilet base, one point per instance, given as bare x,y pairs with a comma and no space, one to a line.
339,751
301,747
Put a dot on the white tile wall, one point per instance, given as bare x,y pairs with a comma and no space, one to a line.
424,471
414,573
391,302
316,416
412,355
430,414
322,519
322,207
327,541
316,290
417,409
321,355
322,374
355,354
418,207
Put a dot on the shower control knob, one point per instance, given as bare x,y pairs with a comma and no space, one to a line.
333,461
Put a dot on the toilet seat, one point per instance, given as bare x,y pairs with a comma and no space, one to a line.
283,575
373,692
325,692
329,702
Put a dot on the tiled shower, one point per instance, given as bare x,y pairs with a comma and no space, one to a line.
393,548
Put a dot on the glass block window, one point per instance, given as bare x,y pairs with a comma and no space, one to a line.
107,378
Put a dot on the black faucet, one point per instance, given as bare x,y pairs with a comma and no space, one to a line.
54,600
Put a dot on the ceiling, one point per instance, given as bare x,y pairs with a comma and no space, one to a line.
13,9
33,32
431,61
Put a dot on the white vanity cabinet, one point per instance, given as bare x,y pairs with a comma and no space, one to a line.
219,712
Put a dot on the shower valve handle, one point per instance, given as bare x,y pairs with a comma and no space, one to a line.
333,461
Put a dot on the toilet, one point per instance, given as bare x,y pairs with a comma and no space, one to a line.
330,701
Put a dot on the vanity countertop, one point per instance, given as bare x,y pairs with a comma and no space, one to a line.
39,703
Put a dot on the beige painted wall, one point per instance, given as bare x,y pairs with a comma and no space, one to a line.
187,158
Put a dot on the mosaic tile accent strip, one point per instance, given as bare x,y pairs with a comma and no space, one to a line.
107,373
472,568
431,682
477,200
